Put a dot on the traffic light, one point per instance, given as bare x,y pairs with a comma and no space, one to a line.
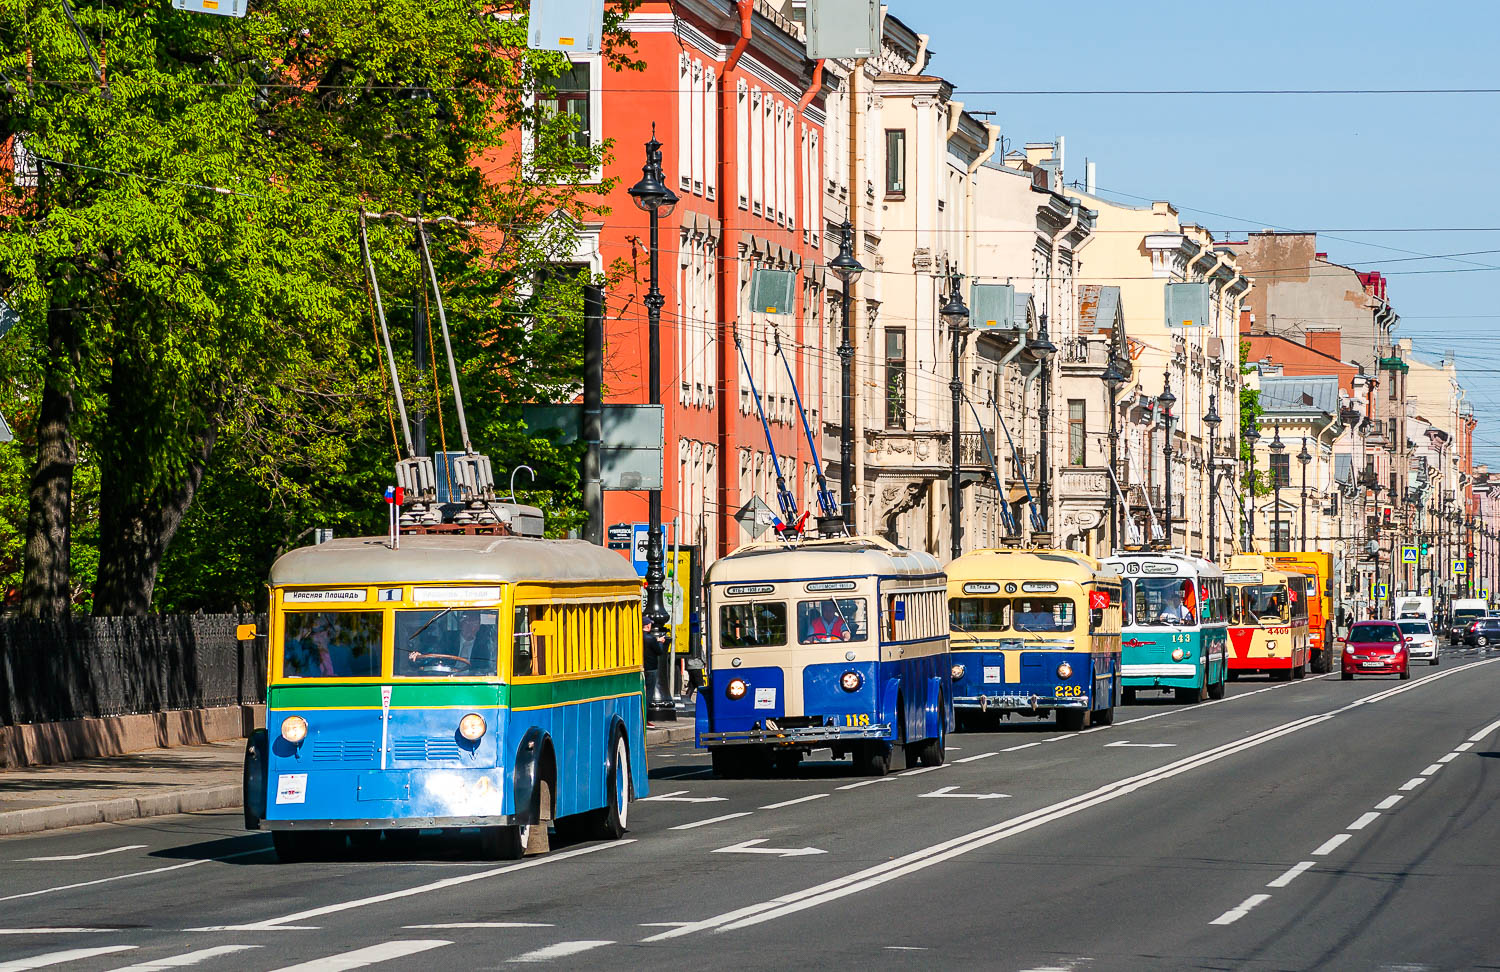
1424,549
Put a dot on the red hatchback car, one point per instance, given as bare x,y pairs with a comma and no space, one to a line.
1375,648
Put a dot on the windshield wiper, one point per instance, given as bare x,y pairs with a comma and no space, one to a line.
424,627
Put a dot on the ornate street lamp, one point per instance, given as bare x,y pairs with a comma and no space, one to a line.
1277,447
653,196
1251,436
956,316
847,269
1304,457
1212,420
1166,400
1044,349
1114,376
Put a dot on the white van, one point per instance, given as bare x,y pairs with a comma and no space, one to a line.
1463,611
1414,606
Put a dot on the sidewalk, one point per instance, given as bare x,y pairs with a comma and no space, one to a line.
152,782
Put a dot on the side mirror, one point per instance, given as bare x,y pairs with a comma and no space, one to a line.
245,632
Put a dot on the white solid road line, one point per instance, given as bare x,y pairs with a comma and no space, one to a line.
1331,844
711,820
927,857
79,857
924,769
792,803
444,884
135,874
55,931
58,958
185,959
1413,783
1235,914
855,786
1292,874
1365,820
1389,802
973,759
361,957
478,924
560,950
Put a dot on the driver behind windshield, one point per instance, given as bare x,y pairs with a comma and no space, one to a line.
449,646
1175,611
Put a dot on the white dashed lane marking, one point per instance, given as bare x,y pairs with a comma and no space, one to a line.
710,820
1365,821
1292,874
560,950
1432,769
1331,844
1235,914
1389,802
790,803
1413,783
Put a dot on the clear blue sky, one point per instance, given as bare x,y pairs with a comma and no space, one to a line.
1289,161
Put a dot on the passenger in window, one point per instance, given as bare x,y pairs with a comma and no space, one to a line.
319,656
1175,611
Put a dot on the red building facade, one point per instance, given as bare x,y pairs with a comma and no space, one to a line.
738,109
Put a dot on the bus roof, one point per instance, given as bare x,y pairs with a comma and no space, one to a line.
1160,563
450,559
835,557
1261,577
1064,565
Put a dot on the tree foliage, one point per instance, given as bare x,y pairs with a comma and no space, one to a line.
193,300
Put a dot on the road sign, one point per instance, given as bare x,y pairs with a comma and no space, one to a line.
1408,555
640,545
5,435
1382,591
1460,567
756,517
620,535
630,450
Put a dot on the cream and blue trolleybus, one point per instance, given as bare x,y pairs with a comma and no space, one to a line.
468,681
1176,624
839,643
1034,632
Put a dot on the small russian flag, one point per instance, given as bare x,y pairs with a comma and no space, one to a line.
395,495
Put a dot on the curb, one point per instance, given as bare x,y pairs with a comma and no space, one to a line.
192,799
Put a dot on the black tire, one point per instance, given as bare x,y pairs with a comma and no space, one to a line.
1481,641
1300,672
1072,720
872,758
1103,717
1218,689
1192,696
1434,660
611,821
933,751
786,763
1405,674
1347,676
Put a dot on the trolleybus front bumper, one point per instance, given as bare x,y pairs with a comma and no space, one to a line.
1015,703
800,736
393,823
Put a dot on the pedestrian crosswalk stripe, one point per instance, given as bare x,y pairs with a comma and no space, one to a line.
361,957
560,950
185,959
58,958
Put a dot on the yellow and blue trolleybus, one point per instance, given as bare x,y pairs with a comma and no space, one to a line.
1176,624
489,682
838,642
1034,631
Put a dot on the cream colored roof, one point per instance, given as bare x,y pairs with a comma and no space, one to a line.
445,559
1003,564
844,557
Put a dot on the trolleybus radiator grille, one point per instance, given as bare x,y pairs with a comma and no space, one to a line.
418,748
348,751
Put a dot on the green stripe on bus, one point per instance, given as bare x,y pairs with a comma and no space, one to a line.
402,696
534,695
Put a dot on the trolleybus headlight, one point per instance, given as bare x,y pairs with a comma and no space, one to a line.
958,672
851,681
471,726
736,688
1177,654
294,729
1064,670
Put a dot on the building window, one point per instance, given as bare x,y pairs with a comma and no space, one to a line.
1281,535
571,97
1392,385
895,378
895,163
1390,434
1077,433
1281,469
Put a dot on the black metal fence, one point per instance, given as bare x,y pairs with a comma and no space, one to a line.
84,667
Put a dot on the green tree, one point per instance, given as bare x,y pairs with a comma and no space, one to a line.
193,300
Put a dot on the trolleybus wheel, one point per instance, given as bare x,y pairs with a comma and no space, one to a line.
1071,720
1103,717
785,763
1216,690
610,822
873,758
1191,696
932,751
1300,671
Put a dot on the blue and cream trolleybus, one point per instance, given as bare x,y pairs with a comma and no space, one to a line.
457,681
840,643
1176,624
1034,632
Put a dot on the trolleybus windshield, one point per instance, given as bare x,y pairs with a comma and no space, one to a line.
1163,601
331,644
831,619
1027,614
447,642
753,624
1265,604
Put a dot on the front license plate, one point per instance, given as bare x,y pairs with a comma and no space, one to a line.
1373,664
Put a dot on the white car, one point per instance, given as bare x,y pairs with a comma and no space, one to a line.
1421,640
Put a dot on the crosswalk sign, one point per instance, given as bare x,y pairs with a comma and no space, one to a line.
1382,591
1460,567
1408,555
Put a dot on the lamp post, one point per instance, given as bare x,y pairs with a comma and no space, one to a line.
1167,400
1277,447
1251,436
1304,457
1212,420
1043,349
956,316
653,196
1114,376
848,270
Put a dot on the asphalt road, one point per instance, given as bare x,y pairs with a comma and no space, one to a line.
1314,824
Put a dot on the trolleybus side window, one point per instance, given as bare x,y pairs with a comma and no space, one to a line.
331,644
446,642
831,619
753,624
1044,614
979,614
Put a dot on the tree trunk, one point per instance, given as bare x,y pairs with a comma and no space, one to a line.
134,534
45,588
